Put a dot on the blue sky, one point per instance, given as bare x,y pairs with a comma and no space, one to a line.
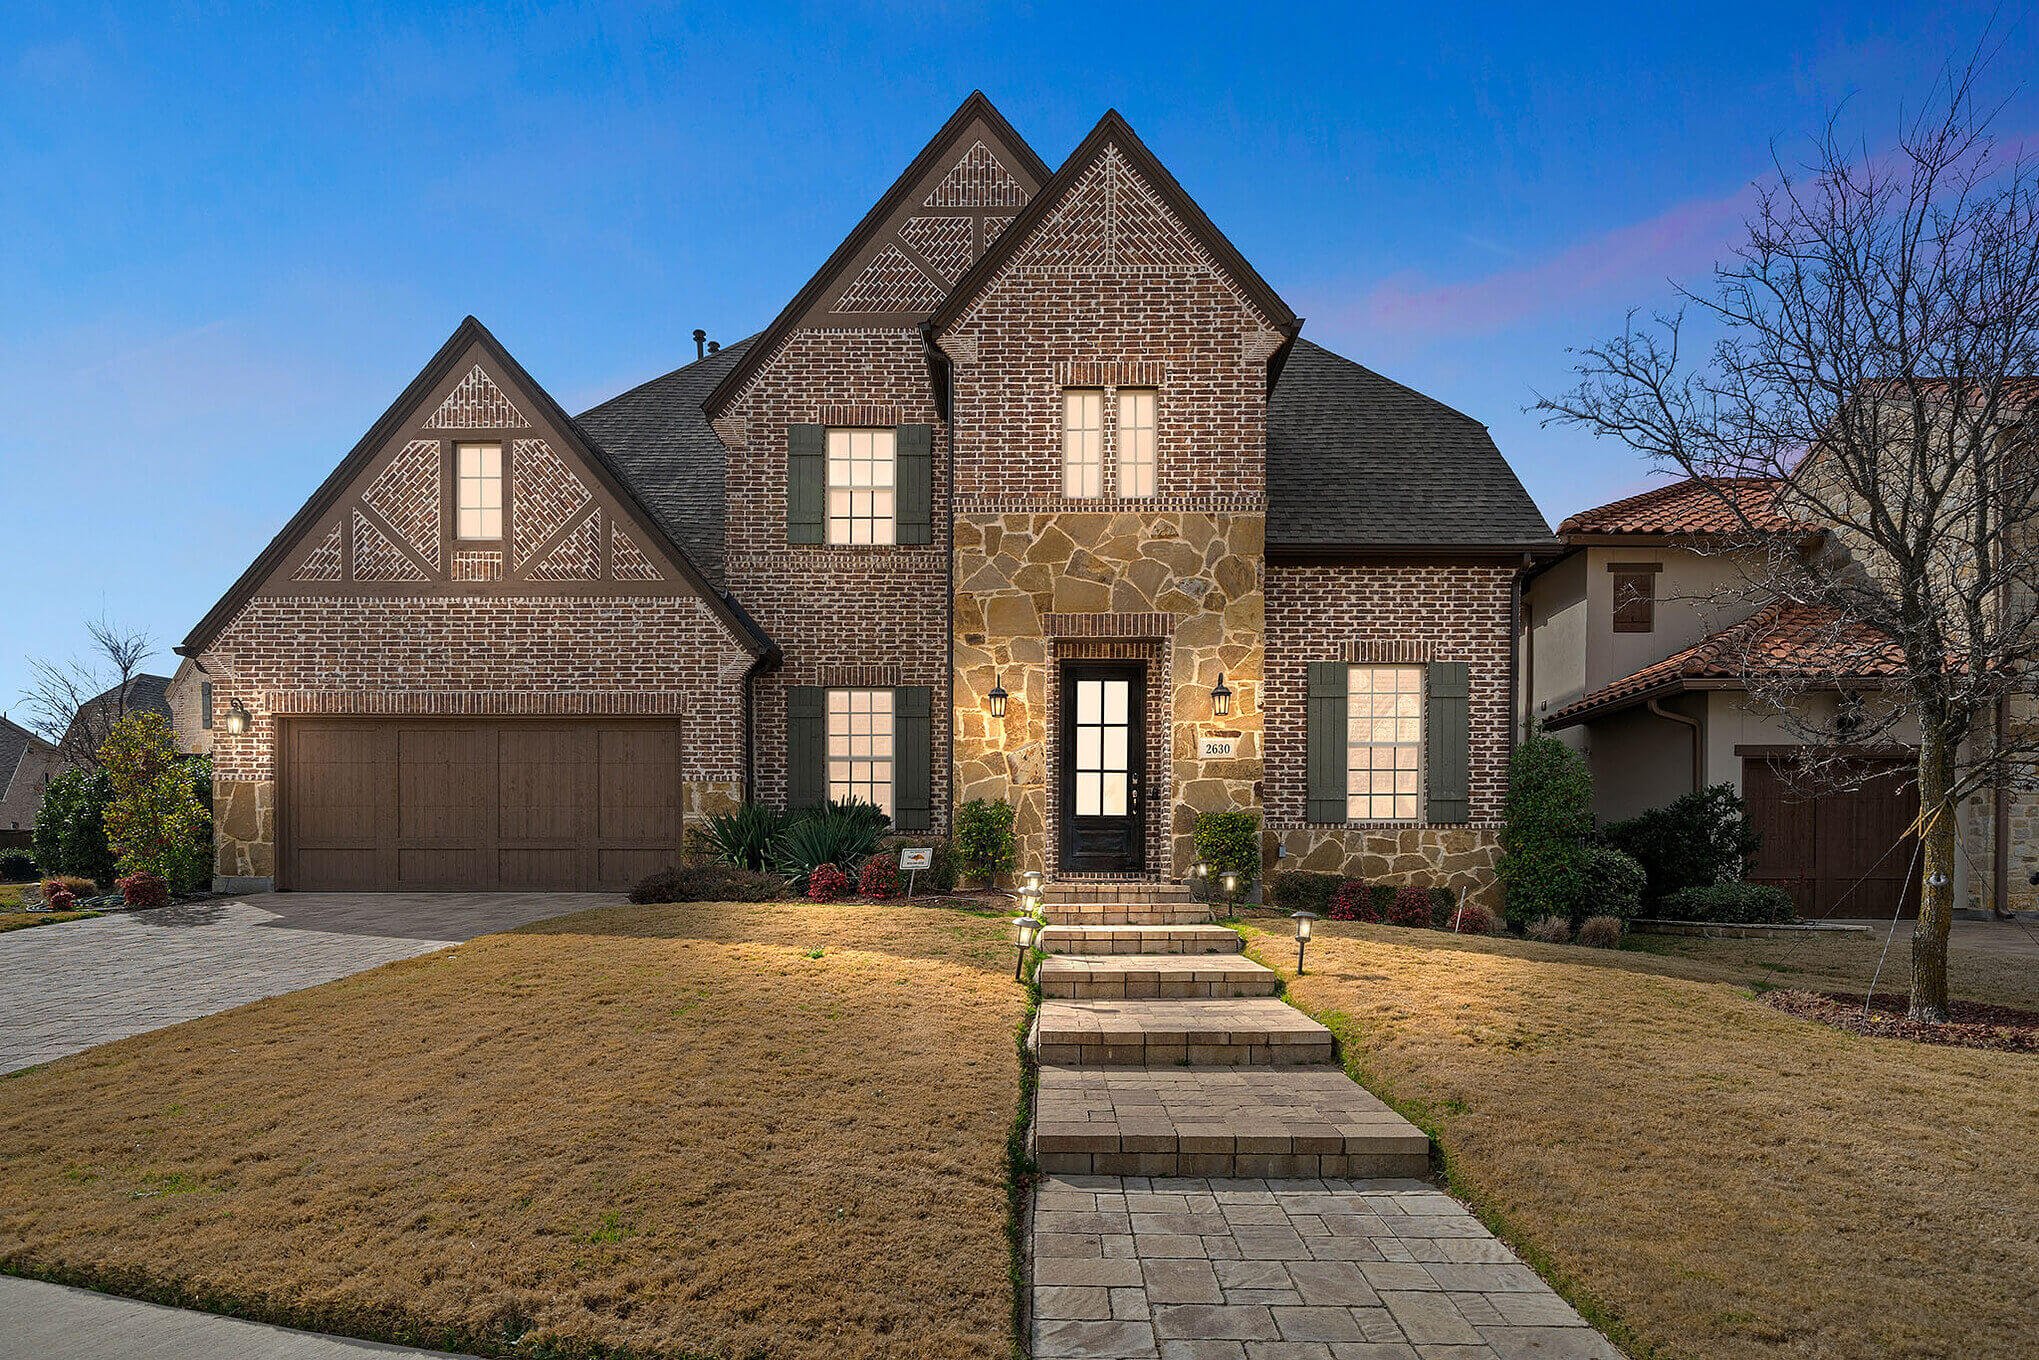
233,233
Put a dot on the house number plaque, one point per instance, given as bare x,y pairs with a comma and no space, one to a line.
1217,748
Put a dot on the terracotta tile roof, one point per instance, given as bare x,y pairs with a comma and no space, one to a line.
1779,642
1690,506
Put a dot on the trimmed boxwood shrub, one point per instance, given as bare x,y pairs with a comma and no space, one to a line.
1229,842
1409,907
1614,884
1730,904
1300,890
1354,901
709,883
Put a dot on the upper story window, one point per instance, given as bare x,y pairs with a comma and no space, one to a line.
1083,443
479,490
1383,742
862,477
205,704
1136,441
1635,596
860,746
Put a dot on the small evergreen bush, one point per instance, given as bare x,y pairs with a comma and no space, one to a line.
827,883
879,877
1547,823
984,839
1601,932
16,867
1694,841
1229,842
939,876
1614,883
1552,929
1299,890
70,826
1730,904
1354,901
710,882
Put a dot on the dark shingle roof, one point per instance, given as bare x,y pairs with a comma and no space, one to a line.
1354,460
661,443
14,743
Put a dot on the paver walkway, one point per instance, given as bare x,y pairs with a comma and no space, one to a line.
1197,1138
66,988
51,1322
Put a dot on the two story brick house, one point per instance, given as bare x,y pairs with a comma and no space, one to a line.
1033,492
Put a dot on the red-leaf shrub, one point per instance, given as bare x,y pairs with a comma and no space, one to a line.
827,883
1353,902
67,883
1472,919
880,878
143,889
1411,907
61,900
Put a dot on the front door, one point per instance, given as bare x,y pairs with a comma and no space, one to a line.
1104,724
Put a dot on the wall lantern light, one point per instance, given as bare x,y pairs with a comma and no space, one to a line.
1028,928
1302,920
998,696
1221,696
237,718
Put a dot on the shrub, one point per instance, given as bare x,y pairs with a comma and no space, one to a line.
154,820
1229,842
1694,841
984,839
1472,919
1551,929
880,877
70,826
708,883
1614,883
143,889
1300,890
1443,902
1601,932
939,876
1730,904
60,900
16,867
1409,907
743,838
1547,820
1354,901
70,883
842,833
826,883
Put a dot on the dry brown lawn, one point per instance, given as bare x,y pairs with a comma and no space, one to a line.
22,920
1992,961
703,1130
1707,1176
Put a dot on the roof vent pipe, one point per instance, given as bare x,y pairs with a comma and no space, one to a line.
714,346
700,338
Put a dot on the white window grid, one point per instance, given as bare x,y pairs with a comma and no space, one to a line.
1384,743
1083,443
862,483
860,746
1136,446
1103,748
478,497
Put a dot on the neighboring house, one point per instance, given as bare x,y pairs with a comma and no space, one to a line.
26,764
1030,493
94,720
190,698
1643,643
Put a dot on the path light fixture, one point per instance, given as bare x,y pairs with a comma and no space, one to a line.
1200,869
1030,882
1302,920
998,696
1221,696
1028,928
1229,881
237,718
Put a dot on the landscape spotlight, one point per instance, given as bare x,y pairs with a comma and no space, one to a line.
1302,920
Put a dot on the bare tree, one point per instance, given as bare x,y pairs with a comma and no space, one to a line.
64,698
1876,346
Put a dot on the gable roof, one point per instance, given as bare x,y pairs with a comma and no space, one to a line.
16,742
1781,641
764,345
1355,460
146,693
1113,130
1690,507
469,332
659,437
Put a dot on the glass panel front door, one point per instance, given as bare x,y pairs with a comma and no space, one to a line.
1102,725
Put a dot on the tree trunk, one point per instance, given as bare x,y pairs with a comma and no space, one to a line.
1936,896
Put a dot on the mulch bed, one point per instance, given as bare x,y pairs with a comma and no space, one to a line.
1970,1024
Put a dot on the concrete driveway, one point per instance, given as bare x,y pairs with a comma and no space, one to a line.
64,988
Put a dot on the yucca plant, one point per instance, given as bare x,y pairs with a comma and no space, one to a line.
844,833
744,838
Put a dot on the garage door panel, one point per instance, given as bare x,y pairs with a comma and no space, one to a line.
1839,848
467,804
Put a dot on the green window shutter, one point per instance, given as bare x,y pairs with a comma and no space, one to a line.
1326,725
912,757
914,508
806,746
806,484
1446,739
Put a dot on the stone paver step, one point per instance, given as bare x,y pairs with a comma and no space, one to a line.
1111,939
1240,1032
1136,977
1240,1121
1075,892
1126,913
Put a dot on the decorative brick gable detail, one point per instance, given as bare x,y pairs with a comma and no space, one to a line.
547,495
477,404
408,495
978,180
323,562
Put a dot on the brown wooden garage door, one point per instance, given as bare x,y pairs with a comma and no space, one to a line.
426,804
1838,852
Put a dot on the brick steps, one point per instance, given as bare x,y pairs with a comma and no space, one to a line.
1126,913
1067,893
1250,1121
1122,977
1139,939
1241,1032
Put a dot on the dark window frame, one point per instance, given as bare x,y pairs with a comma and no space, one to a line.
1635,596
